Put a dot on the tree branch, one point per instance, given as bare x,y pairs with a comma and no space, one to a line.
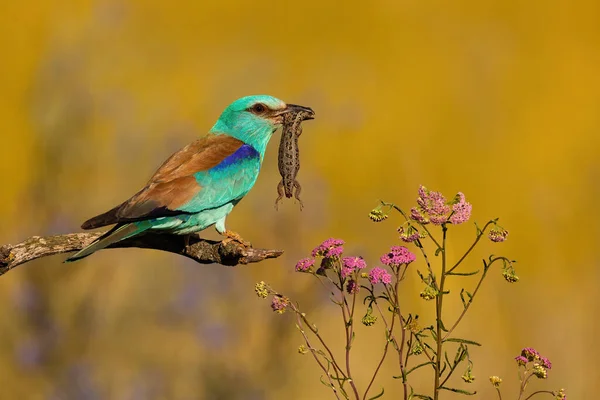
200,250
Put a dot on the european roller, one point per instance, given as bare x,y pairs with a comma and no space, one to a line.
198,186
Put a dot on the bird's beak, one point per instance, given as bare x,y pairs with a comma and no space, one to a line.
297,108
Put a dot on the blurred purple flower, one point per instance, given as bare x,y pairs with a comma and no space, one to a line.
498,234
410,234
530,353
545,362
329,248
398,255
378,275
352,286
521,360
354,262
279,304
305,264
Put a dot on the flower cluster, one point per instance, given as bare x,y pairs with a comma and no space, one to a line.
305,264
433,207
398,255
539,364
409,234
351,264
377,215
495,380
261,289
329,248
461,210
379,275
279,304
498,234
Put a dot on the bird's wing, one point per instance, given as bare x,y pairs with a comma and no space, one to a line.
187,182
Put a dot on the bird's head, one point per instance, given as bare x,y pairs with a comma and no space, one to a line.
254,119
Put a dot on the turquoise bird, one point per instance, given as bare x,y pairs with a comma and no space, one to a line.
199,185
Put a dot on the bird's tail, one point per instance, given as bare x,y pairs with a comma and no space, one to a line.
118,233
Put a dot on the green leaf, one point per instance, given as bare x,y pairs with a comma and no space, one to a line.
326,383
463,273
442,325
465,341
422,396
455,390
378,396
415,368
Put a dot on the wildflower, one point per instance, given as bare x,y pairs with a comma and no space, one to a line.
530,353
279,304
431,207
347,271
413,325
398,255
305,264
302,349
410,234
354,262
521,361
498,234
369,319
468,376
261,290
561,395
539,371
379,275
510,275
376,215
461,210
545,362
416,349
429,293
329,248
496,381
351,264
352,287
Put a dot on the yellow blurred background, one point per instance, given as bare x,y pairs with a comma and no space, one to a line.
498,99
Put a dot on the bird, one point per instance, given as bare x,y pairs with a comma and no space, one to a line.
199,185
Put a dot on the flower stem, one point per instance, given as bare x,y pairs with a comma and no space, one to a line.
479,236
438,314
539,392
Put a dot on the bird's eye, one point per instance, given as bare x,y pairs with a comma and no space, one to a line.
259,108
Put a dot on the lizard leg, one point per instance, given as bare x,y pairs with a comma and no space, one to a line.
280,193
297,194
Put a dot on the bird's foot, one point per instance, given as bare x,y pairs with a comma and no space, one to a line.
231,236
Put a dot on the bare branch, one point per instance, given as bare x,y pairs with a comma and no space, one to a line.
201,250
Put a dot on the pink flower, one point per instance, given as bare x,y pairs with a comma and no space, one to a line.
545,362
461,210
329,248
498,234
347,271
398,255
352,287
530,353
410,234
305,264
379,275
521,360
431,207
279,304
354,262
